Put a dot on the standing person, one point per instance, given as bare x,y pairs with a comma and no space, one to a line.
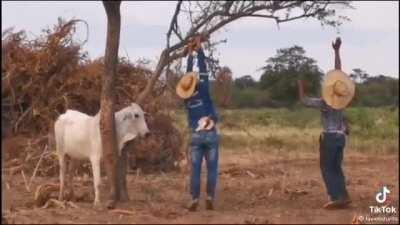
337,92
194,89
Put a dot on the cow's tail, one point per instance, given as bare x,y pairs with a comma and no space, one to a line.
51,142
56,133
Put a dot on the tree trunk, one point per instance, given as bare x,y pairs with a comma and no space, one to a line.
107,120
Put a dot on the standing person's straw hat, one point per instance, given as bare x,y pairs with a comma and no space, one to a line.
187,85
337,89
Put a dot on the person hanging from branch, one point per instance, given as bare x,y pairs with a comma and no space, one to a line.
337,92
194,89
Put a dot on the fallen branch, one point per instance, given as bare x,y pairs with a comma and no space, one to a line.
252,175
43,193
37,166
25,182
11,163
14,170
8,186
137,173
54,202
123,212
73,205
270,192
21,118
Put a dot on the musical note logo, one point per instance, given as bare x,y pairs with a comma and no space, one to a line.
381,196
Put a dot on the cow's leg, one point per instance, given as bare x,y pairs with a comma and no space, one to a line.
96,179
121,170
70,171
62,161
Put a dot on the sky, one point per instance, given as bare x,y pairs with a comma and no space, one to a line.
370,41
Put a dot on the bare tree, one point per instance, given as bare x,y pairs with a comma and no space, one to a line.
207,17
107,120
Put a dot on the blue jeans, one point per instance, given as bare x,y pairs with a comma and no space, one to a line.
331,157
204,144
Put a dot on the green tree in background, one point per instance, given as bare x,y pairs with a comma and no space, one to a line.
358,75
284,69
277,85
246,81
377,91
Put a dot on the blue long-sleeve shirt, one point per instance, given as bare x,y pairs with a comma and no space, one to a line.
332,119
200,103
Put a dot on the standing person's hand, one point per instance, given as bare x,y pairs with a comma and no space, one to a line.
336,44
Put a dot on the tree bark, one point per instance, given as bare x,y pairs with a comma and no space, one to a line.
122,191
107,120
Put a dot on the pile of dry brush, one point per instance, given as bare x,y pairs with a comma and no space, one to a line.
41,78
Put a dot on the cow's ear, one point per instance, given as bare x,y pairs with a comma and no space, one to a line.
127,116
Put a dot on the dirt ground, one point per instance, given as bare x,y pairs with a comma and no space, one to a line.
254,187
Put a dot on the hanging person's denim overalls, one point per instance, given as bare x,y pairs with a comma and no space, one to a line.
203,143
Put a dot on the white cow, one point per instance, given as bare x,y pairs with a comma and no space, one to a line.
78,136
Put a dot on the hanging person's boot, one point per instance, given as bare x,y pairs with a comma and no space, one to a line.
193,205
209,203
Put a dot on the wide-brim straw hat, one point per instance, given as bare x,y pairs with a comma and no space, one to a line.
337,89
187,85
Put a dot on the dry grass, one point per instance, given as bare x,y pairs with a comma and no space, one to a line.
373,130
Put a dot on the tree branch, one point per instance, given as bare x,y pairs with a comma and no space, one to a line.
174,23
212,17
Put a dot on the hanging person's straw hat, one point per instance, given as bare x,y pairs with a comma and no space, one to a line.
186,85
337,89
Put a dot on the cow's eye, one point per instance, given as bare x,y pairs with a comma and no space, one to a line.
136,115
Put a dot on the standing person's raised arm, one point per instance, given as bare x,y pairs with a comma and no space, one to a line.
307,101
336,47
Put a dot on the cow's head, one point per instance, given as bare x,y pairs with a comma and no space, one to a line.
137,120
131,123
